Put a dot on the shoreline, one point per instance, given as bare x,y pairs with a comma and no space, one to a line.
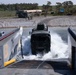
51,21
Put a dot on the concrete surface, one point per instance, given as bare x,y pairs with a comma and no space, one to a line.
53,21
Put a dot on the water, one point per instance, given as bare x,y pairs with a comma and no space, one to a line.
59,44
58,49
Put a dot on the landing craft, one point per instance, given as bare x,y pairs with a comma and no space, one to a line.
8,45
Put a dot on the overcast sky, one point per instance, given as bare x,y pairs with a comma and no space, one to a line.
40,2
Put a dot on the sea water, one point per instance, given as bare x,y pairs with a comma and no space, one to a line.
58,49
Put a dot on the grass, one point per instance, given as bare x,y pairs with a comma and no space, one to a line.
7,13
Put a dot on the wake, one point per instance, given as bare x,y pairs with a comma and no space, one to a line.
58,49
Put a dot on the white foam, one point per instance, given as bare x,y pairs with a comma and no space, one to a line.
59,49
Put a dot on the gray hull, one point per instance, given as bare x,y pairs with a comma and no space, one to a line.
9,46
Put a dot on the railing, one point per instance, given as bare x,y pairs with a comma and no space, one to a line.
9,46
72,48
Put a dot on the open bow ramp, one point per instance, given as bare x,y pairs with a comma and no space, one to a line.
38,67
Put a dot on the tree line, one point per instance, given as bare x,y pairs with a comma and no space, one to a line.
21,6
63,8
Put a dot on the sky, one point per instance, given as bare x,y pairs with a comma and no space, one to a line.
40,2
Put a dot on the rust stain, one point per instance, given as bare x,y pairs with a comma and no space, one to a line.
5,51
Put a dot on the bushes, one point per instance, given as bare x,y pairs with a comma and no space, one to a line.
7,13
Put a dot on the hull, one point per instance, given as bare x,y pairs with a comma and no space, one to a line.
9,46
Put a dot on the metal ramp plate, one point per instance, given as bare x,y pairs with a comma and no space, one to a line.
33,64
33,67
27,64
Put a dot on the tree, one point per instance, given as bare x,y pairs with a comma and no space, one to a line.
58,6
67,6
67,3
49,7
48,3
46,8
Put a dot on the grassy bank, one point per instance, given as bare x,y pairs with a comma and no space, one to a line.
7,14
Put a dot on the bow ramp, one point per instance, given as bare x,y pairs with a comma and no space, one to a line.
54,67
9,46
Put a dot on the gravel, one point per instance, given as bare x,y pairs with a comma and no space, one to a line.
52,21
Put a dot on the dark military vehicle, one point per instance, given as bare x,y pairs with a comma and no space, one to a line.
24,14
40,39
